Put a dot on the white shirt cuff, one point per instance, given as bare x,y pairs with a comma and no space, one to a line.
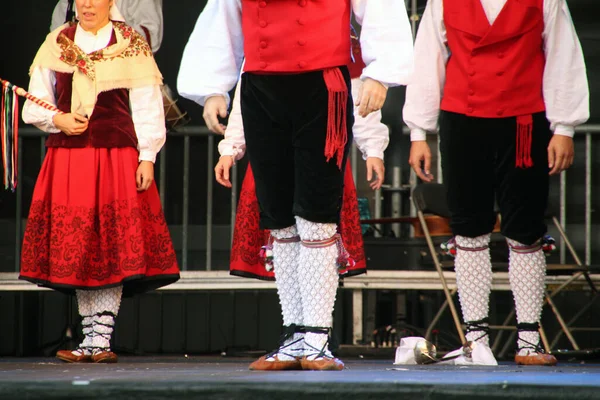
418,134
564,130
50,123
375,154
147,155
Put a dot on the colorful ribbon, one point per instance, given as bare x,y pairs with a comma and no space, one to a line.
9,129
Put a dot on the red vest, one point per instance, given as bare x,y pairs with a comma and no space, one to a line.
494,71
293,36
110,125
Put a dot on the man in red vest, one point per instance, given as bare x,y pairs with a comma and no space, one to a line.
297,117
371,137
507,81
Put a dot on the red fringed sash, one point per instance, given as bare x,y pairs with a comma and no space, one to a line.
337,132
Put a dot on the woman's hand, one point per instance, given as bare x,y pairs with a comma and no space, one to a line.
222,170
144,176
71,124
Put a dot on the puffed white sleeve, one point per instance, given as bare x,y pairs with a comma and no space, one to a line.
370,134
565,85
148,115
41,85
386,40
213,56
234,142
424,93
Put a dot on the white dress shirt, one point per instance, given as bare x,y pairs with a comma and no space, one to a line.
147,111
565,86
370,135
213,55
137,13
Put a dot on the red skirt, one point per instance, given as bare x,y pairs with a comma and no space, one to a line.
248,238
89,228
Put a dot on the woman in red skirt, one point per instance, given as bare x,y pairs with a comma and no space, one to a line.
96,227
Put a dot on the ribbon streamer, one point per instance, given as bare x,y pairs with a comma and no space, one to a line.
9,129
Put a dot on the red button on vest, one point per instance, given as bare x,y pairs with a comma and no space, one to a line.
323,27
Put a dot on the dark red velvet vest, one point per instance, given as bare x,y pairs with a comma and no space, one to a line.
110,124
293,36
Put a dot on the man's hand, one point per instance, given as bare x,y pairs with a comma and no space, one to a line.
420,160
222,170
375,165
371,97
144,176
215,107
70,124
560,153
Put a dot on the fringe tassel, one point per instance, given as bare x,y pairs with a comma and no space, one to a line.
343,261
524,138
266,253
9,126
337,134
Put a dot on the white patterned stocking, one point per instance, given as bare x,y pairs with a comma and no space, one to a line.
473,268
84,305
318,276
527,273
105,306
285,264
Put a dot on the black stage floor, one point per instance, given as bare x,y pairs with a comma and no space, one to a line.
228,378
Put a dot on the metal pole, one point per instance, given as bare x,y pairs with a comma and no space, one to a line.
357,316
588,199
438,171
234,186
19,208
396,184
186,195
42,148
209,201
377,200
162,176
563,212
414,17
354,162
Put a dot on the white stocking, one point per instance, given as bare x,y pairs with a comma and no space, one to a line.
84,305
285,263
473,268
527,273
318,276
105,307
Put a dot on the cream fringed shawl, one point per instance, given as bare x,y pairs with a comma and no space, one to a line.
127,64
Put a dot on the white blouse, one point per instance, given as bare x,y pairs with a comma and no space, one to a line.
370,135
147,111
213,55
565,86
